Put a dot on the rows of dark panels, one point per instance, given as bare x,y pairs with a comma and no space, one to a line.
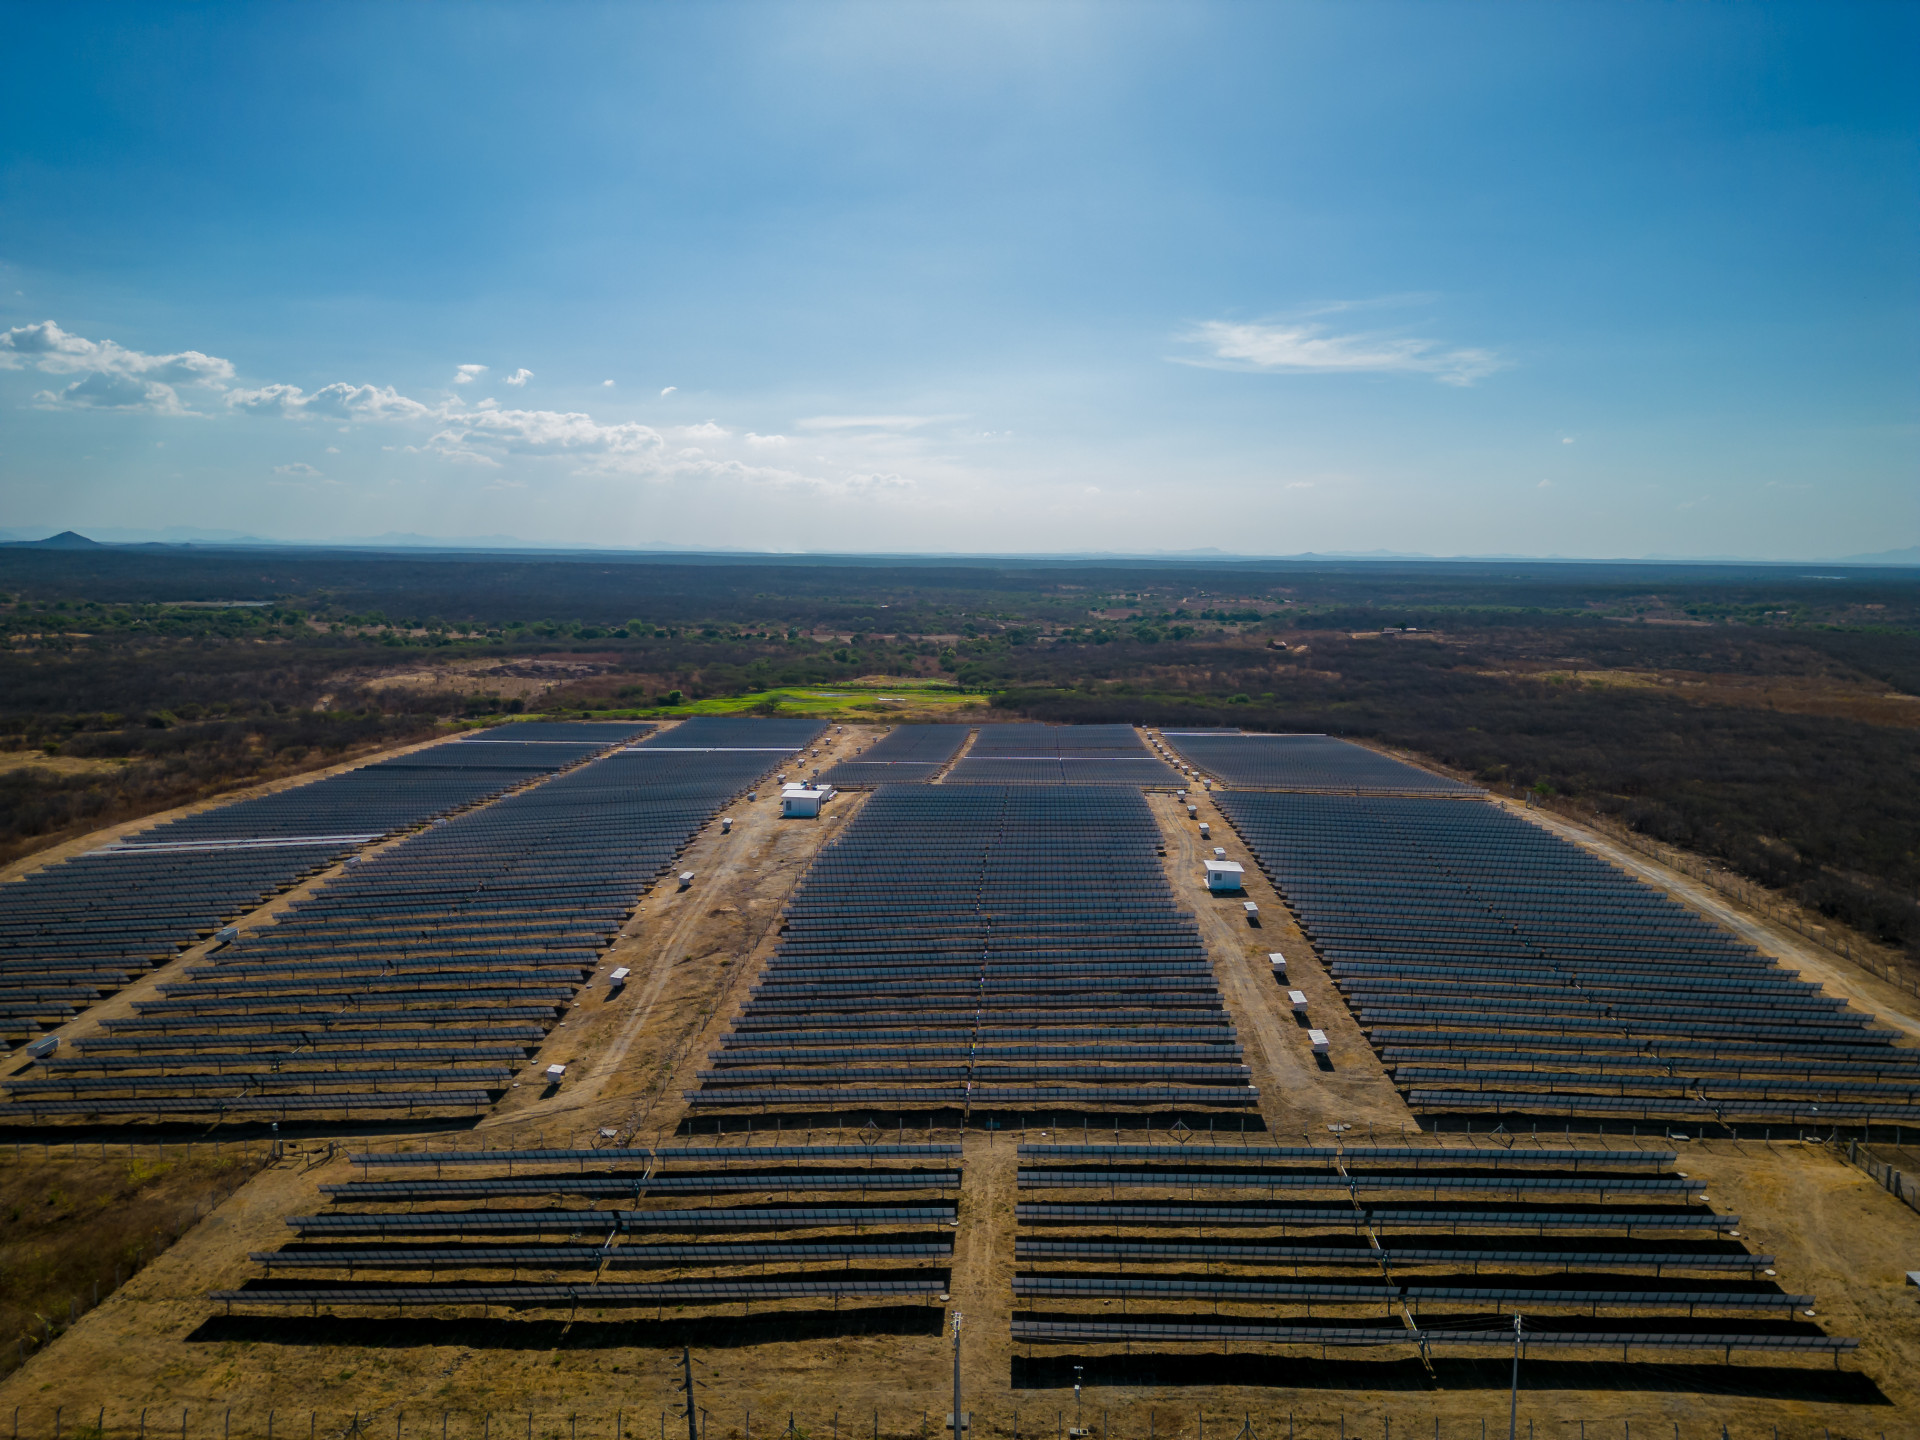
76,931
1366,1245
1024,754
417,979
612,1229
1498,968
1303,762
905,755
990,948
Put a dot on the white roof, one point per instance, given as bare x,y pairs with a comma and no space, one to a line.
1226,867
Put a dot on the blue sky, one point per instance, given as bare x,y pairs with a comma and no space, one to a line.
1582,279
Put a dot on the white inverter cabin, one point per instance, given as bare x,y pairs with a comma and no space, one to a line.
803,802
1225,877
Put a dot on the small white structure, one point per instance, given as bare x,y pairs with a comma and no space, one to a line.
44,1047
1298,999
1192,811
555,1074
686,879
802,802
753,794
617,981
1318,1039
227,934
1206,827
1219,852
726,824
1224,877
1253,911
1279,963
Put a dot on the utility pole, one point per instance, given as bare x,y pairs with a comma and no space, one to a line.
686,1369
1513,1413
959,1417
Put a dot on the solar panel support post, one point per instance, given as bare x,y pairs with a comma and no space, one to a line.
1513,1411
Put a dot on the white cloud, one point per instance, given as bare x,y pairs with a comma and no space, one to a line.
479,436
862,455
112,376
664,393
1566,439
1307,349
104,390
608,384
48,348
337,401
1544,485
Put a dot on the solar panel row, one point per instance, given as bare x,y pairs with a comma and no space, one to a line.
473,935
964,915
1304,763
1501,969
1023,754
905,755
830,1250
1154,1253
77,930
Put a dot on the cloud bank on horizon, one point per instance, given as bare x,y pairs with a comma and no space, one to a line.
481,434
969,276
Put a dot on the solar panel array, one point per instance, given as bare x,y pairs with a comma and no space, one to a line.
1025,754
416,980
1302,1245
75,931
985,947
798,1223
1304,762
1499,968
907,755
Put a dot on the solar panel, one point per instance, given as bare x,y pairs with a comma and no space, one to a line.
1304,763
570,1296
1147,1332
936,916
1554,983
1359,1217
1187,1252
491,916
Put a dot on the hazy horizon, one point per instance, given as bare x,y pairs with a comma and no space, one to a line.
1583,281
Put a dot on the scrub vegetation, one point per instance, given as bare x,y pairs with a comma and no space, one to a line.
1763,717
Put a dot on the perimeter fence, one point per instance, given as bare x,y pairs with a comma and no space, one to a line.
1037,1422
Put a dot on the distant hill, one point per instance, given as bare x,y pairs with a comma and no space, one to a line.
1908,556
65,540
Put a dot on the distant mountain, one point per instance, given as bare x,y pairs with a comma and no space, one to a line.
1908,556
65,540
